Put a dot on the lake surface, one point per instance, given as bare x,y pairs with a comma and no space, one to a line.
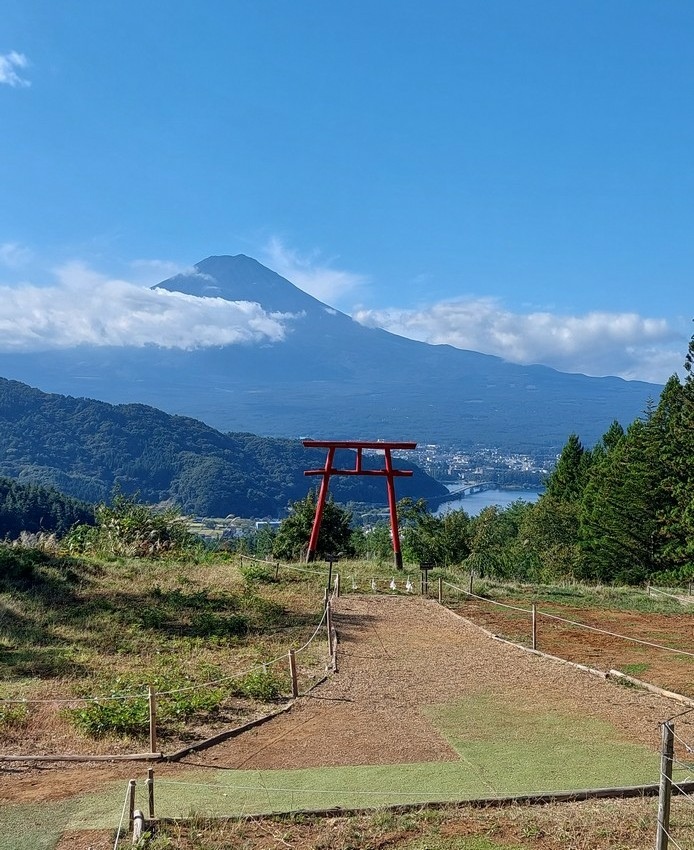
476,502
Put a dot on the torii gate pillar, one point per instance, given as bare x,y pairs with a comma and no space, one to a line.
388,472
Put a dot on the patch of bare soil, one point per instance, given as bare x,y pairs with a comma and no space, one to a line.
659,667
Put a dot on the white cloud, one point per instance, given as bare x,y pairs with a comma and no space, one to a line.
597,343
310,274
9,63
86,308
13,255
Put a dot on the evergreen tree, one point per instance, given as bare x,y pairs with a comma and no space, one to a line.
568,479
618,523
675,419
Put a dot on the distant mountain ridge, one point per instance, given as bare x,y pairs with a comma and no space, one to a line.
84,448
334,378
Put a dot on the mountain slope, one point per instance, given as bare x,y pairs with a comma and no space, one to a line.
84,448
332,377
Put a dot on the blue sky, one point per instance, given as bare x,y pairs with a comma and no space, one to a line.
511,177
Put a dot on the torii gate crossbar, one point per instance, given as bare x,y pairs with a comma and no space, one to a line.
388,472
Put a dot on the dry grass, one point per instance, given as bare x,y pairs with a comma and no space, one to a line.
593,825
74,630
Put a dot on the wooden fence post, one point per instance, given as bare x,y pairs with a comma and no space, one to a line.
152,699
277,571
337,585
329,624
534,625
131,804
440,590
292,673
150,792
665,794
472,578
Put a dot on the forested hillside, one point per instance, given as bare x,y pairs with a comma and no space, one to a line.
32,508
85,448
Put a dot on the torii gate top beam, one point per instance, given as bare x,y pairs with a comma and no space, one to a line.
356,444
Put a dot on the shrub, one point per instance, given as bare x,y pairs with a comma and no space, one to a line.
258,573
262,685
121,713
13,716
119,716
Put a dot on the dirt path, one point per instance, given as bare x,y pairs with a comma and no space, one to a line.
396,655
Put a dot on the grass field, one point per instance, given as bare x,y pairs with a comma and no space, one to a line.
70,631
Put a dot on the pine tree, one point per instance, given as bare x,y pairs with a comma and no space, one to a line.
568,479
618,523
675,420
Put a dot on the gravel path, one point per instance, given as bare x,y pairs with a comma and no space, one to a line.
399,654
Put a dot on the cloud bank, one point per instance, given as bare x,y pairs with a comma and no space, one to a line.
311,274
9,63
597,343
86,308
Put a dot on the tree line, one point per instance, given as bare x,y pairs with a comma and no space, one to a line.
619,512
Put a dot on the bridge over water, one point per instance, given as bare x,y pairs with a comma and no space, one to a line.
460,490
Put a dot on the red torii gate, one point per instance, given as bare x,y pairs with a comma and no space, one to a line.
388,472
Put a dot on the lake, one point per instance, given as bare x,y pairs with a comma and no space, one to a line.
476,502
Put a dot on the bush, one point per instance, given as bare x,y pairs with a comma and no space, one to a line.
121,713
262,685
128,528
118,716
258,574
13,716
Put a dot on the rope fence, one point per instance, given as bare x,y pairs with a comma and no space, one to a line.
152,695
243,800
536,612
683,787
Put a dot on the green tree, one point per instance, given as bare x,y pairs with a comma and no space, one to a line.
548,540
426,538
373,542
674,418
294,533
568,478
618,526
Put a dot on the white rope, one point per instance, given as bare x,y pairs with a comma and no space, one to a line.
122,817
145,694
283,565
683,793
574,623
686,746
678,846
69,701
491,601
682,598
614,634
318,628
265,788
304,570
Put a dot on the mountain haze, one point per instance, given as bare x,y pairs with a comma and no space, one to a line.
331,377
